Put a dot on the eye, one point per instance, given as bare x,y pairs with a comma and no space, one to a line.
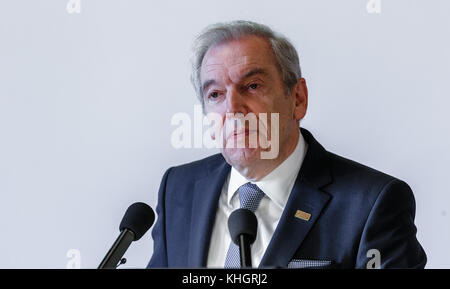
214,94
253,86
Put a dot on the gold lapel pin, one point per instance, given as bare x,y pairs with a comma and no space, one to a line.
302,215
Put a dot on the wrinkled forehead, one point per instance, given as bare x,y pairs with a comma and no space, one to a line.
236,56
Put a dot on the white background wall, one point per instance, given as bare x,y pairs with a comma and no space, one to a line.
86,101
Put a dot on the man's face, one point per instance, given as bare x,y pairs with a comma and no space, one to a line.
242,76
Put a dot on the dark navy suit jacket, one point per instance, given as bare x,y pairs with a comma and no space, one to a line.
353,209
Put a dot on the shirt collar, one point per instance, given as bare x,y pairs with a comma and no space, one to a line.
277,185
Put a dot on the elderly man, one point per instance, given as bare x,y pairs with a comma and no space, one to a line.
314,208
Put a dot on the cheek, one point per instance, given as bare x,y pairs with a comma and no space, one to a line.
285,106
274,100
261,104
285,111
216,110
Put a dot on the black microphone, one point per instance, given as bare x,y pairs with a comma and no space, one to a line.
242,225
138,218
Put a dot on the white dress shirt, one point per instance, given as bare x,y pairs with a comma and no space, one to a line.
277,186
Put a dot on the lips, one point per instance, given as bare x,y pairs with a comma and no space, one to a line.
241,133
246,132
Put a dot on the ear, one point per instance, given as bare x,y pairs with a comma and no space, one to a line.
300,94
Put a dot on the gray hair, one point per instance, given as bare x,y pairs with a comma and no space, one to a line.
284,51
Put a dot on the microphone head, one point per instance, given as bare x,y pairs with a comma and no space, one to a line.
138,218
242,221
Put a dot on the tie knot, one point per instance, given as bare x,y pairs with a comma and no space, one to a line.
250,196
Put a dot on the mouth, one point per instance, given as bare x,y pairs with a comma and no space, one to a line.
241,133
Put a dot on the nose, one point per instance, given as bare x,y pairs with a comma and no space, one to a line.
235,103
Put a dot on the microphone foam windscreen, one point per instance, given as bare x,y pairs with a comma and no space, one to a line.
138,218
242,221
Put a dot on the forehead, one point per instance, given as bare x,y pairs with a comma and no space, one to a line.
236,56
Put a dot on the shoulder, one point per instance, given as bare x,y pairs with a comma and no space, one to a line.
359,181
351,171
196,169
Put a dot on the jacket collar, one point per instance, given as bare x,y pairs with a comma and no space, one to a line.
207,191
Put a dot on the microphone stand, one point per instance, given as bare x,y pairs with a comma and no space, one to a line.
244,250
117,250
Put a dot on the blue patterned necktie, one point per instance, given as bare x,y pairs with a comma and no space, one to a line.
249,196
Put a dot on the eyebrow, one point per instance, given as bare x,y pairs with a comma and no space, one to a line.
207,84
252,72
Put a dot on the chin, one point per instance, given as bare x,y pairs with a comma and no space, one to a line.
241,157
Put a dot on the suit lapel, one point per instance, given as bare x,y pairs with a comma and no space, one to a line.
207,191
305,196
291,230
